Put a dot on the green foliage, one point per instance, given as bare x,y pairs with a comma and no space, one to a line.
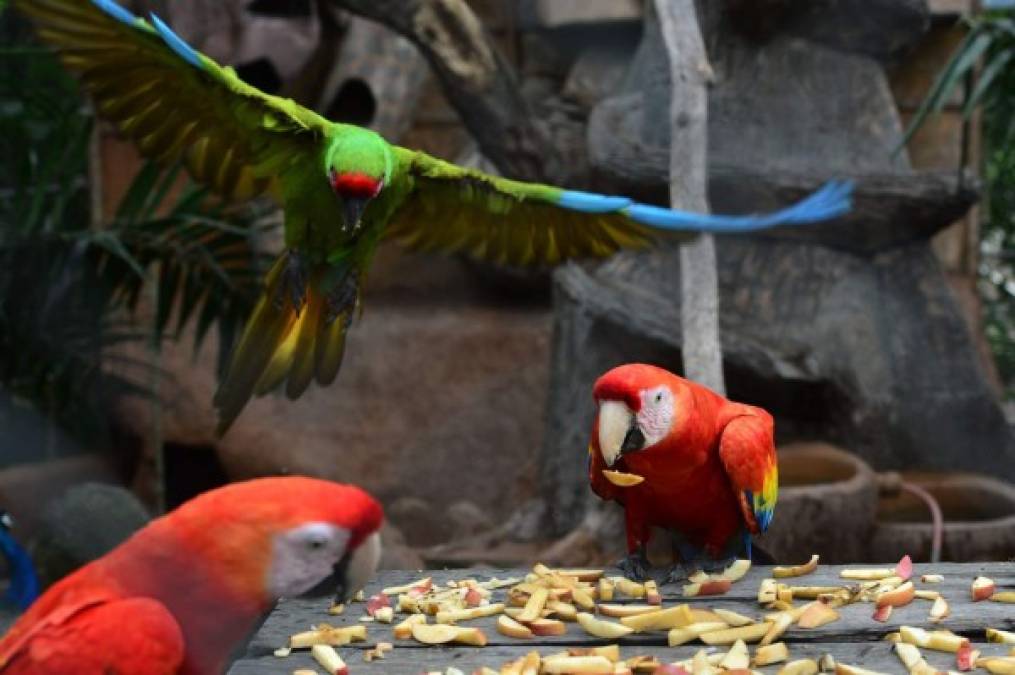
73,295
990,44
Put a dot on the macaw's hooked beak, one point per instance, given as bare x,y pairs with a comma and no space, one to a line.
336,582
352,212
618,431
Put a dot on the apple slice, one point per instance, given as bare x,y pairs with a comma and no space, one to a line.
511,628
931,578
767,592
679,636
534,605
403,631
420,585
737,658
603,629
965,658
898,597
324,635
939,610
817,614
736,570
982,588
618,611
1002,636
846,669
456,615
941,641
769,654
583,599
670,669
882,613
605,589
1004,596
442,633
661,619
564,610
905,568
797,570
778,627
632,589
544,627
867,574
621,479
998,666
652,595
712,587
329,659
384,614
728,636
800,667
593,665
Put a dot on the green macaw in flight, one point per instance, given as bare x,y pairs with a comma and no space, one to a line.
343,188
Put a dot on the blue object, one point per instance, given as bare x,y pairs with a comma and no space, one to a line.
590,202
999,4
116,11
831,201
24,588
176,43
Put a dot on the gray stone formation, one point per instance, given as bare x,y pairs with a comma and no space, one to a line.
85,523
846,331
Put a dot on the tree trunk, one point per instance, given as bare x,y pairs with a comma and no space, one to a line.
699,287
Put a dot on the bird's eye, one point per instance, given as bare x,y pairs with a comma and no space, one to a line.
315,544
659,397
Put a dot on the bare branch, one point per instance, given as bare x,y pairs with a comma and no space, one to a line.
690,74
477,80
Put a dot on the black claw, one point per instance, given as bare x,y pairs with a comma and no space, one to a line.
342,299
680,572
635,566
294,283
711,566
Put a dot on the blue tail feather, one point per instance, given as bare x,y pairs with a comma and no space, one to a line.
24,585
831,201
176,43
116,11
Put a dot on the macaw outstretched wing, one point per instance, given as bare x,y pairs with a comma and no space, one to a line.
454,209
747,450
175,102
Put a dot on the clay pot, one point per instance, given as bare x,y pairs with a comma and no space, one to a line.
979,515
827,503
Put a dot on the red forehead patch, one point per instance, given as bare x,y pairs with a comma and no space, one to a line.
356,185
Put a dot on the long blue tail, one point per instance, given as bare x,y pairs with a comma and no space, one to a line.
831,201
24,587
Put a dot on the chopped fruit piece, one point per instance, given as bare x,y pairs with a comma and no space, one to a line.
769,654
328,636
679,636
779,626
965,658
897,597
732,618
882,613
629,588
534,605
813,592
931,578
384,615
441,633
736,571
670,669
376,602
913,660
939,610
581,574
905,568
329,659
982,588
751,633
456,615
662,619
403,631
336,609
618,611
422,585
713,587
473,598
603,629
736,658
511,628
605,590
867,574
565,610
800,667
941,641
621,479
282,652
1002,636
767,592
796,570
652,596
1006,596
927,595
577,664
643,664
998,666
547,627
583,599
844,669
817,614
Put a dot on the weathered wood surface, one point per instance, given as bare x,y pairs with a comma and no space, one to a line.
854,639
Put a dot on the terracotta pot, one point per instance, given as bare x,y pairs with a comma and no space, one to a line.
979,515
827,502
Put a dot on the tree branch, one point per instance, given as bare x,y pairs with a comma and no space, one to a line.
690,74
476,79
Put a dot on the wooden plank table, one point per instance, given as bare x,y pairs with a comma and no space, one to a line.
855,639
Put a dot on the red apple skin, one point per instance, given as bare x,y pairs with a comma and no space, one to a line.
670,669
964,658
473,598
905,568
375,602
882,613
544,627
903,595
715,587
984,590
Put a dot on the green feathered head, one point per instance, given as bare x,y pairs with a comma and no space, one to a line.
359,165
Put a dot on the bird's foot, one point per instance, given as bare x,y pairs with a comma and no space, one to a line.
293,286
635,566
341,299
680,572
711,565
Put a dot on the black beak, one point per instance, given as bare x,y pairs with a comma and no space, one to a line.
352,212
333,583
633,440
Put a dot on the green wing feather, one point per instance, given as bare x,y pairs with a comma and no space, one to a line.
232,137
457,210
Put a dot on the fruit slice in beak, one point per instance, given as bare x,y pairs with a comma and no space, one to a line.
621,479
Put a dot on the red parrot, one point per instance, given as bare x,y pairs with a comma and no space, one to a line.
708,464
182,594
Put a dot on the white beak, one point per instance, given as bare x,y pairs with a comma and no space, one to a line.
614,423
